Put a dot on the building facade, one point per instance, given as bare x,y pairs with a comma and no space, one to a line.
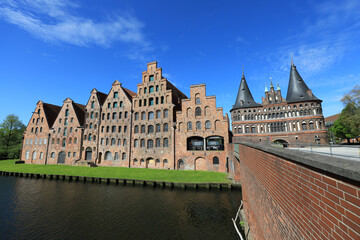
296,119
138,130
202,133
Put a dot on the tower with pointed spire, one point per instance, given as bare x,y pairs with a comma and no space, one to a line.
298,118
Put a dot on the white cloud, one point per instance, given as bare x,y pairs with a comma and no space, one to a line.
56,21
323,39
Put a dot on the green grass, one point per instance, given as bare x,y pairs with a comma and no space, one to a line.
118,172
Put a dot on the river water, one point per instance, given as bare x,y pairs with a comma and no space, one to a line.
50,209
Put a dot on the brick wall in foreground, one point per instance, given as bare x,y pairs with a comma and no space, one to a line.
288,200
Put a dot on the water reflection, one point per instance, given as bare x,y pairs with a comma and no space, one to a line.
44,209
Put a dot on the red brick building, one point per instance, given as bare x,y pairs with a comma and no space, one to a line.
296,119
202,134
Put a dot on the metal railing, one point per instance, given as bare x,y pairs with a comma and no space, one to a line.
342,151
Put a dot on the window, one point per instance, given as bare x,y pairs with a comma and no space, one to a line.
151,115
150,129
151,89
151,78
119,142
108,116
108,155
158,114
116,156
158,128
66,113
143,116
142,143
115,94
198,125
207,124
144,102
114,116
89,137
92,115
115,105
145,91
66,122
215,160
166,142
197,101
189,126
197,111
136,116
65,131
113,129
124,156
102,141
150,143
157,88
64,142
136,143
52,155
91,126
142,128
109,105
136,129
125,129
120,115
92,104
151,101
75,140
166,127
126,115
166,113
162,100
121,104
157,142
107,129
124,142
303,126
113,142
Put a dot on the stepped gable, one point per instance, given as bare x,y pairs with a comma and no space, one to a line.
51,112
298,91
244,97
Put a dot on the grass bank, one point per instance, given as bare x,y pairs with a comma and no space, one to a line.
118,172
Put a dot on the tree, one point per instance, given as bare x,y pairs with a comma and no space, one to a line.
11,131
348,124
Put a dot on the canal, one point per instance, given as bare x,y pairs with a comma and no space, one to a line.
50,209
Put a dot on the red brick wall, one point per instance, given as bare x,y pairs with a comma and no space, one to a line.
285,200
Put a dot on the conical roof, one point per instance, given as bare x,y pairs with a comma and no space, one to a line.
244,98
298,91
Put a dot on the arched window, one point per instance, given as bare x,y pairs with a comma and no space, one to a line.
197,111
215,160
165,127
151,89
253,130
113,142
150,129
136,116
124,142
197,100
142,128
157,142
143,116
123,156
63,142
119,129
150,143
206,111
75,140
66,112
142,143
166,113
121,104
34,155
207,124
158,128
166,142
113,129
188,112
115,105
108,155
303,125
198,125
92,104
114,116
52,155
311,125
89,137
136,129
109,105
116,156
151,116
158,114
189,126
136,143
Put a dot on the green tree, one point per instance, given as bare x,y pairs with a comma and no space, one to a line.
11,131
348,124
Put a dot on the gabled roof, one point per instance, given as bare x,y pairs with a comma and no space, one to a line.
129,93
244,98
51,112
298,91
101,97
80,112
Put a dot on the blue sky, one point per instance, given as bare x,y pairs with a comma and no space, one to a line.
51,50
